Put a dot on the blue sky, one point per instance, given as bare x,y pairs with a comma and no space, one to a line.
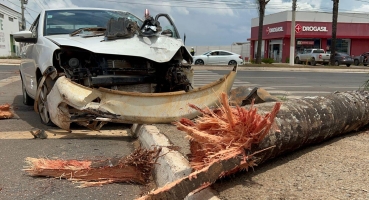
205,22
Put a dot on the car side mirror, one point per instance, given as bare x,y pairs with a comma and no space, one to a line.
24,36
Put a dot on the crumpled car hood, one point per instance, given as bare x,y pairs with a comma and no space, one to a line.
157,48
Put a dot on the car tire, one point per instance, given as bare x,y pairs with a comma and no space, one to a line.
297,60
312,62
336,63
27,100
356,62
232,62
348,65
42,105
365,65
199,62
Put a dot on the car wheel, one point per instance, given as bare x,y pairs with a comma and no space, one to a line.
297,60
348,65
232,62
42,105
27,100
336,63
313,63
199,62
365,65
356,62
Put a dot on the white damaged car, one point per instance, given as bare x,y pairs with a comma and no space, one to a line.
93,66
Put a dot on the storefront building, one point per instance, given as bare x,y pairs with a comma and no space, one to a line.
10,22
312,30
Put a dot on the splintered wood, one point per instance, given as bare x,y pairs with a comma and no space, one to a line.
135,168
5,112
221,144
225,132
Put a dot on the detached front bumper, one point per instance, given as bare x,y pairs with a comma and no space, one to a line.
70,102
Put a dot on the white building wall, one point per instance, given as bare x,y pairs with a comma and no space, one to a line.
312,16
8,27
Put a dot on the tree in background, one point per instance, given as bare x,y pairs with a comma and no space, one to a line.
334,30
261,8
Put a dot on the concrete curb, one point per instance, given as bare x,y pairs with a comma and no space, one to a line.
172,165
9,62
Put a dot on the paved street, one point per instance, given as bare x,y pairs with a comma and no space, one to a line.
17,143
290,84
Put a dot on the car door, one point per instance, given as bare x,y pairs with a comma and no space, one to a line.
213,58
225,57
28,65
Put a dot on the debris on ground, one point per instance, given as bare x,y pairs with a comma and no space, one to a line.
221,141
135,168
5,112
244,95
38,133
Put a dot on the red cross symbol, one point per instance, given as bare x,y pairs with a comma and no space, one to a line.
298,28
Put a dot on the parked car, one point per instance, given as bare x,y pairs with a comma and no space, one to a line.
341,58
362,59
92,66
313,56
218,57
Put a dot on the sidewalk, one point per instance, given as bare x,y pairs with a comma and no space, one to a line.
10,61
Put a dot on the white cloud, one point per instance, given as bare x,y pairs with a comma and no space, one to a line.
58,3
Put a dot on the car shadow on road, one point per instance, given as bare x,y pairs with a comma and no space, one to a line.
30,120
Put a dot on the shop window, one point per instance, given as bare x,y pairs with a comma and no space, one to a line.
307,43
10,19
342,45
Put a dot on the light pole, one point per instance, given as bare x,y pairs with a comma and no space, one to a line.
292,42
23,3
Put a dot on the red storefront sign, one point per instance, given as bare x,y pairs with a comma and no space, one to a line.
305,42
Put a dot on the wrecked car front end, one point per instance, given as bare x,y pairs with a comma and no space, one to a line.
127,71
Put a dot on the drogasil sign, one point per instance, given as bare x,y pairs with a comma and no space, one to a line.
274,30
299,28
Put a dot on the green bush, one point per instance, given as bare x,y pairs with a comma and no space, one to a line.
287,60
252,61
267,60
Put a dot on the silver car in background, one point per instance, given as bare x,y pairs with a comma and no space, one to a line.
218,57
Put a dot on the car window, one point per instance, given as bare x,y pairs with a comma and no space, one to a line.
343,54
206,53
318,51
34,27
223,53
67,21
214,53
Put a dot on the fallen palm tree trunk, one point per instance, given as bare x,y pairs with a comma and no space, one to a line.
301,122
135,168
5,112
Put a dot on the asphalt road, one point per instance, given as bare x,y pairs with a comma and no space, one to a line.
17,143
290,84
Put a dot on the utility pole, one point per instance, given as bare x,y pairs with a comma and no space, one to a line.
334,30
23,3
292,42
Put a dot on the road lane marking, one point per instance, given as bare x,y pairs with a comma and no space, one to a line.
62,134
9,80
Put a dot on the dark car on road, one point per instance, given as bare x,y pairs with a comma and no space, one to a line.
362,59
341,58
